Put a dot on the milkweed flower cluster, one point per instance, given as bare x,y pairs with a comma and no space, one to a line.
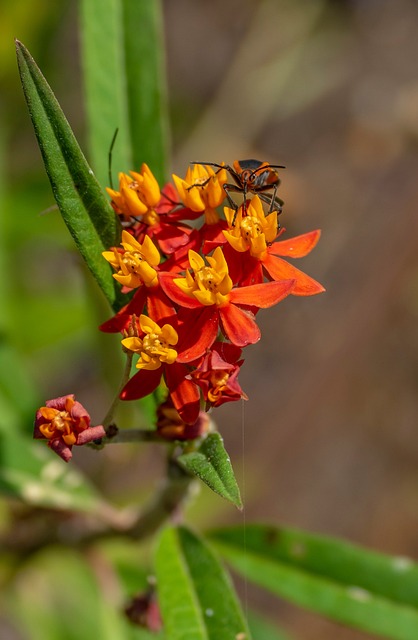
196,278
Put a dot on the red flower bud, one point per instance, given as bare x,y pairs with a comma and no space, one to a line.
64,422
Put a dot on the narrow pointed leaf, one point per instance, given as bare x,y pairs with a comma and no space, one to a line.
195,594
146,84
364,589
211,463
83,204
101,30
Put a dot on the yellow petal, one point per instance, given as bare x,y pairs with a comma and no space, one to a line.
132,344
219,261
205,297
270,228
184,285
170,356
238,244
150,252
225,286
110,257
135,206
181,185
148,325
258,246
169,334
196,261
148,274
132,280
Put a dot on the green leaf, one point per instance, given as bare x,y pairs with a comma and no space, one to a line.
101,30
83,205
146,84
211,463
364,589
128,91
195,594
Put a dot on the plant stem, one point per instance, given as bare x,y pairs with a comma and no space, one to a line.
108,419
39,529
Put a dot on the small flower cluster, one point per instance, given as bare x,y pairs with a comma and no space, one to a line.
64,422
195,288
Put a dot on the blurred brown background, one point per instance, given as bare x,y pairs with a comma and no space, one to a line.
329,438
330,89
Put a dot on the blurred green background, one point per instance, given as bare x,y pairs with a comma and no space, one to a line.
329,436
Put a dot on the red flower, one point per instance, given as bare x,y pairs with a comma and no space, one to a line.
217,375
136,267
64,422
251,234
171,427
210,303
157,359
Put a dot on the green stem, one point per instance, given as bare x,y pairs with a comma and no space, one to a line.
29,535
125,436
108,419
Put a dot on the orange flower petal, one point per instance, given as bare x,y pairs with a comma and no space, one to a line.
198,333
239,326
174,292
296,247
279,269
141,384
262,295
184,393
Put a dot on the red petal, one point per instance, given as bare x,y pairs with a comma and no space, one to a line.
179,260
184,393
59,403
279,269
252,272
262,295
239,325
123,316
296,247
78,413
159,306
59,447
212,236
171,237
228,352
169,199
175,293
93,433
198,331
141,384
170,206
